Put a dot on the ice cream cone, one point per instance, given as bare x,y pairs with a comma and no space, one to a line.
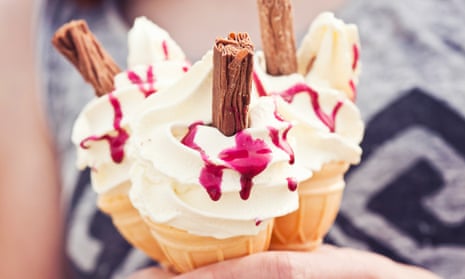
129,223
186,252
319,202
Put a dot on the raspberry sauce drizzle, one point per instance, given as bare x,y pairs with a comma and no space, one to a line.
289,94
285,146
145,86
280,141
292,183
354,90
259,85
249,158
211,175
164,46
329,120
116,142
356,56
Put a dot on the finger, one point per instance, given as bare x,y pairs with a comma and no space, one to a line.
151,273
267,265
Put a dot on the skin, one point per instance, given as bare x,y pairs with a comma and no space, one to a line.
326,262
30,219
29,191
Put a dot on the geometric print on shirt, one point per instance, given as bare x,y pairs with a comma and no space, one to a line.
406,199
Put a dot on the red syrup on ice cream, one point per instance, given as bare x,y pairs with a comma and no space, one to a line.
147,85
116,141
292,183
329,120
356,58
354,90
211,174
249,157
282,143
302,88
356,55
164,46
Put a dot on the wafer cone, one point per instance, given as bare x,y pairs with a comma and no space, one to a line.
319,202
186,252
129,222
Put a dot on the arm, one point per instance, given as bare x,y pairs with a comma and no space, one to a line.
30,234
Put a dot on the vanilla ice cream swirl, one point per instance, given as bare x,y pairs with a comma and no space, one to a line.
190,176
101,132
329,54
318,99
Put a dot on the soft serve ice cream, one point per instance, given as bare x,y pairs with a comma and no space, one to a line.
318,99
317,96
101,132
329,54
192,177
184,174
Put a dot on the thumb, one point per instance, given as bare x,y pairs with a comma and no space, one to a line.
267,265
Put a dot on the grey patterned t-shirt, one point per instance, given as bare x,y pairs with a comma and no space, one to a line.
406,199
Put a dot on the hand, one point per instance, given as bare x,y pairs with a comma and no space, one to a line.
325,262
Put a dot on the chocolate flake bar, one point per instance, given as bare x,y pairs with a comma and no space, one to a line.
232,82
77,43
